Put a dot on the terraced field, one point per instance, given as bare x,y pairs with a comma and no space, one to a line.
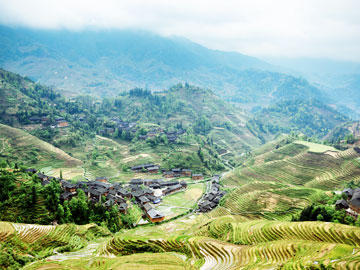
279,182
17,143
255,244
226,242
44,239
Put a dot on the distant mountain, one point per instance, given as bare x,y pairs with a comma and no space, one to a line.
107,62
340,80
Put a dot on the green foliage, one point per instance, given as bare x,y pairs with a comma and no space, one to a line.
324,213
308,116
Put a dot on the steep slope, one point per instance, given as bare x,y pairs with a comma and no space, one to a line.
108,62
19,145
285,177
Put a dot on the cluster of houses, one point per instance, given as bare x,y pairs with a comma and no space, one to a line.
173,173
170,135
352,202
60,122
212,198
143,192
120,125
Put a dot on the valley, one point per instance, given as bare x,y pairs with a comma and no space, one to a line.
124,149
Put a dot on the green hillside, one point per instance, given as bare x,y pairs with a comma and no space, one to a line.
285,177
19,146
308,116
223,243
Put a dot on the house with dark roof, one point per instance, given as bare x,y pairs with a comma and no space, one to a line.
124,193
155,216
94,194
136,182
110,202
170,183
155,186
147,207
186,172
348,192
123,208
183,183
197,176
35,119
46,182
154,169
102,179
148,191
143,200
137,168
67,186
172,189
31,170
148,182
355,202
205,206
341,204
168,174
101,184
42,176
142,137
67,196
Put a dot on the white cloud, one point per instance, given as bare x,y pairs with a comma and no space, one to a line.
293,28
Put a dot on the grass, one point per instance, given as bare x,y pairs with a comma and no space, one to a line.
18,145
179,203
316,147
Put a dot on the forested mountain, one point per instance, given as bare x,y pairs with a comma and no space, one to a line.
108,62
308,116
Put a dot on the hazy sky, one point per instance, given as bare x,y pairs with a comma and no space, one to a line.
264,28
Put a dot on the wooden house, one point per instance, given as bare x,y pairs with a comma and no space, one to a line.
154,169
168,174
197,176
155,216
186,172
102,179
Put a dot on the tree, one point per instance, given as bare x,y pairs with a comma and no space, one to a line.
52,195
61,175
60,214
34,194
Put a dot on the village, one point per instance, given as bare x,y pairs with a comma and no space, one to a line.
351,203
143,192
115,124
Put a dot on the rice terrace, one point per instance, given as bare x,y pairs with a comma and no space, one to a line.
198,135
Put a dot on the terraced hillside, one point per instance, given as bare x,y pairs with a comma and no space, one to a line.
286,177
226,242
42,240
259,245
25,243
33,151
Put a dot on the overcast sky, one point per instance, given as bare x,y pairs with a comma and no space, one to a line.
263,28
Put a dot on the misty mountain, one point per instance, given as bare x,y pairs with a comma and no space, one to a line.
338,79
107,62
